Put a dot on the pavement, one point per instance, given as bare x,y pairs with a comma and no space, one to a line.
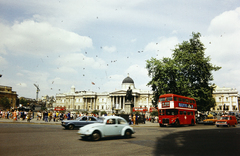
35,121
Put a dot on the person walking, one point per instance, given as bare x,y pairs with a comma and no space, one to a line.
29,115
15,116
130,119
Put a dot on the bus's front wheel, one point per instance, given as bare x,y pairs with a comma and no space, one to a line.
177,123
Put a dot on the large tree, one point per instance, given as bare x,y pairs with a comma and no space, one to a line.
4,102
187,73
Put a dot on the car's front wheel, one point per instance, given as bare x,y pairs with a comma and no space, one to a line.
96,136
128,134
71,127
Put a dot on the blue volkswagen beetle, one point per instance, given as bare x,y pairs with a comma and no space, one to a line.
79,122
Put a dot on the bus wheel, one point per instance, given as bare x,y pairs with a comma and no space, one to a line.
177,123
192,123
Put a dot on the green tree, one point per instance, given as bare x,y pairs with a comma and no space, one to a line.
95,112
4,102
23,101
188,73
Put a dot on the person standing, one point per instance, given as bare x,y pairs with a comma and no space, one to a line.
29,115
68,116
130,119
15,116
134,119
46,116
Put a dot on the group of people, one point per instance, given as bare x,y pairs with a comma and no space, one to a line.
17,115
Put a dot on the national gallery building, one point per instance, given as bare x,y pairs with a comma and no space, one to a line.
106,101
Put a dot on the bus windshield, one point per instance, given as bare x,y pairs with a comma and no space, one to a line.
168,112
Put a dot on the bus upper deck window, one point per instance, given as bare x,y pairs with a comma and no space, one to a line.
169,99
186,100
190,101
183,100
175,98
162,99
179,99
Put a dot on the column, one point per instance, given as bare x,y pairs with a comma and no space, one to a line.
120,99
124,103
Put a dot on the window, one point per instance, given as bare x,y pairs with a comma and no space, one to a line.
191,101
171,112
175,98
169,99
188,113
183,100
111,121
121,121
186,100
181,112
84,118
162,99
184,112
92,119
161,112
179,99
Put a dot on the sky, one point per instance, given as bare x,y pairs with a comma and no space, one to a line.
94,44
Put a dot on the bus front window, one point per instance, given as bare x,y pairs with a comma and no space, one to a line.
169,99
171,112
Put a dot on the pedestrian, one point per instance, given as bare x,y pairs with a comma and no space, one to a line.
130,119
29,115
134,119
15,116
68,116
137,119
46,116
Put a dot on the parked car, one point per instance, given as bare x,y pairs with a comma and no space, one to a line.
227,120
79,122
210,120
109,126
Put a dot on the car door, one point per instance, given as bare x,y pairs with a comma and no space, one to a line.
111,128
83,121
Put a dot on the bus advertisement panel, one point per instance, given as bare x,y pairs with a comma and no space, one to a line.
176,110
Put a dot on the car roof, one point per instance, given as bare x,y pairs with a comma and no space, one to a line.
108,117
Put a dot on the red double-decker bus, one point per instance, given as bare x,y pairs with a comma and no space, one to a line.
176,110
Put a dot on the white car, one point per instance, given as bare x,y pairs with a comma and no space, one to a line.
109,126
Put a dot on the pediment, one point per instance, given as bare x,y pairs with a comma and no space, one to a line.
118,92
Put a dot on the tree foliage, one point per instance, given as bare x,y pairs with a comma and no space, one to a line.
187,73
4,102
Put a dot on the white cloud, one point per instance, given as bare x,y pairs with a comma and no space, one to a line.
22,85
78,60
3,61
163,46
30,37
222,45
109,49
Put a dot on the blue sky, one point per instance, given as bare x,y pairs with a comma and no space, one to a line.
57,44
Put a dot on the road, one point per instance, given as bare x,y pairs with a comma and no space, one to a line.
40,139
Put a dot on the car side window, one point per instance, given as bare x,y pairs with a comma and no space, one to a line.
92,119
111,121
121,121
84,118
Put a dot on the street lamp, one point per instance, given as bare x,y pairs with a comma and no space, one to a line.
222,104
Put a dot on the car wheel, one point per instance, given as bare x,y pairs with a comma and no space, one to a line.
71,127
96,136
128,134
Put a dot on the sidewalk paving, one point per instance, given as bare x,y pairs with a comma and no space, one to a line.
35,121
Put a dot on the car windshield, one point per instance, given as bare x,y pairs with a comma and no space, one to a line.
224,118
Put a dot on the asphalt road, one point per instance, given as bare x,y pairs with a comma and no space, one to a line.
37,139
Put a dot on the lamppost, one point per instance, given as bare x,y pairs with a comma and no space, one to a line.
222,104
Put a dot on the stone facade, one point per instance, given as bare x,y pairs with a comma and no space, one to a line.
6,91
227,96
106,101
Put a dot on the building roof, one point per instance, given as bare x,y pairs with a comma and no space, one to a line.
128,80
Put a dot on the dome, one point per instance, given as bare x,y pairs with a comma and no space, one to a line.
128,80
